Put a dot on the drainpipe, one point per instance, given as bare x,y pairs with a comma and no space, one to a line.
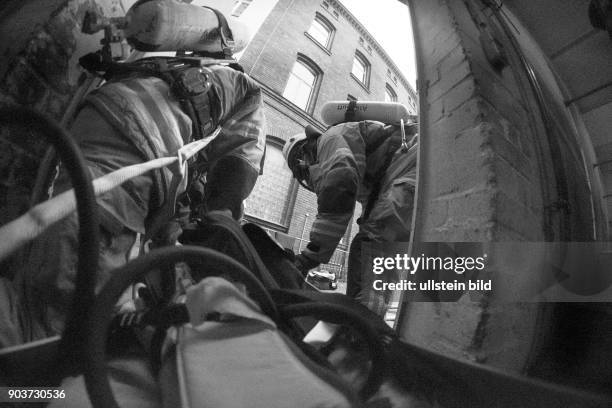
303,230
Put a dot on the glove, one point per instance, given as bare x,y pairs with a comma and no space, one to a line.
304,264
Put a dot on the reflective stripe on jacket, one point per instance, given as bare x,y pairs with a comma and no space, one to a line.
344,174
145,112
122,123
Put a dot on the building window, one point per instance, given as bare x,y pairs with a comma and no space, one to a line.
322,31
412,105
271,197
361,69
369,49
336,14
239,7
303,82
390,95
325,5
361,40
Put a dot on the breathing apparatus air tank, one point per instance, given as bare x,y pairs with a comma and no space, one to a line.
392,113
171,25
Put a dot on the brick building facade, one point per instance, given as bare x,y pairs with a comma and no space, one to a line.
503,159
43,72
483,175
320,42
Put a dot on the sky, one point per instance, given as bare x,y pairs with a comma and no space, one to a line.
388,21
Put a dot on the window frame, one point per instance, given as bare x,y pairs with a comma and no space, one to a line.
235,12
391,92
365,82
278,143
325,23
314,90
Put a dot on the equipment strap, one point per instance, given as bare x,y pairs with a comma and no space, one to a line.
226,35
395,143
33,223
191,85
187,77
223,233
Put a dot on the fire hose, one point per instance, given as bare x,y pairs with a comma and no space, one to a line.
20,231
33,223
27,227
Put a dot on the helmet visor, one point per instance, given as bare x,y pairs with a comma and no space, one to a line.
298,165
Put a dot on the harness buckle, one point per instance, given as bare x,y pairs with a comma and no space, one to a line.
191,82
404,148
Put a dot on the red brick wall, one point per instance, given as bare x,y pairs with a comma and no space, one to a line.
485,176
273,51
269,59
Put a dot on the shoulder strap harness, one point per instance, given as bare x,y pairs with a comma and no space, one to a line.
189,81
396,142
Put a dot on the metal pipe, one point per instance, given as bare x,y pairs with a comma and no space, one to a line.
303,230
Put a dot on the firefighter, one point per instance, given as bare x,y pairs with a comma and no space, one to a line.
366,162
132,119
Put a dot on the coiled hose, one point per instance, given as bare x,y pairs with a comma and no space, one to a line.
88,238
216,263
90,320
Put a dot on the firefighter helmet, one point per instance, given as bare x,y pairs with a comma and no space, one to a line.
293,146
293,151
297,155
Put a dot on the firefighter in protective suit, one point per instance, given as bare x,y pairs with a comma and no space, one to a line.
133,119
367,162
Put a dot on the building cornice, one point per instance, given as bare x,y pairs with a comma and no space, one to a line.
304,116
366,34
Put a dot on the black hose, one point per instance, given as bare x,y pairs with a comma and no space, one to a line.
74,163
343,315
96,376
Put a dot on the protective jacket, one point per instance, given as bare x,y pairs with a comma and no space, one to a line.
148,122
131,120
349,159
